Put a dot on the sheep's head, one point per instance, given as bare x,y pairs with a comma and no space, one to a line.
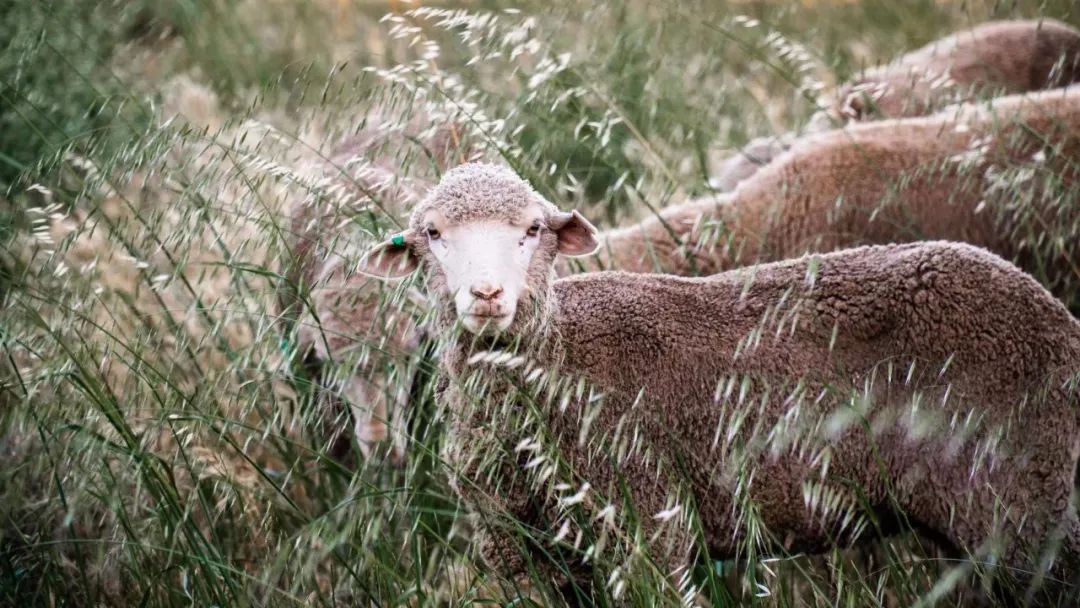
487,242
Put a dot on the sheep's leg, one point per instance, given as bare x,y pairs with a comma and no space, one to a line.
351,403
1047,551
516,523
506,521
1067,566
1007,513
361,385
368,404
645,506
365,402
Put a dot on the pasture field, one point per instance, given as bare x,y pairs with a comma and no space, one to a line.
162,442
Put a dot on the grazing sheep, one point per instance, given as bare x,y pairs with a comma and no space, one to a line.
1000,57
848,367
1000,175
993,58
358,337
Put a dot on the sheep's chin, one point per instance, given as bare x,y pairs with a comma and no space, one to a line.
486,325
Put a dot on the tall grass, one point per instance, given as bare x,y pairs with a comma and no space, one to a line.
163,444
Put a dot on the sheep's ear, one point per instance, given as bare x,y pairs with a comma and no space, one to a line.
391,259
577,237
858,104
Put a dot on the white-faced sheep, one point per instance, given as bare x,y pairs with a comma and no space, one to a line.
1000,57
927,380
353,338
1000,175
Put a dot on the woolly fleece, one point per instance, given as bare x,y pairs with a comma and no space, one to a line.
999,175
1002,57
909,337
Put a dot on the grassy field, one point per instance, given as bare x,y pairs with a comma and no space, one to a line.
161,442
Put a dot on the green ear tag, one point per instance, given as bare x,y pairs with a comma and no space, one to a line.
398,239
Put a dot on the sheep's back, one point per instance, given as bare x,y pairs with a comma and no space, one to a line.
1000,175
861,186
952,307
999,57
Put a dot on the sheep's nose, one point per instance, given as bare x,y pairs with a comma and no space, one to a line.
485,291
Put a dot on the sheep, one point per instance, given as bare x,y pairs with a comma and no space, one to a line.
997,174
999,57
847,363
335,310
359,345
993,58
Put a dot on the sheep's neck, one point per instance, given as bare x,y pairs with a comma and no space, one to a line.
685,239
536,339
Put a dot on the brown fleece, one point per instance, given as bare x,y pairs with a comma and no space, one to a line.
999,175
921,379
993,58
1000,57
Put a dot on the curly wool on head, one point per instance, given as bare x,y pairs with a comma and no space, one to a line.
476,191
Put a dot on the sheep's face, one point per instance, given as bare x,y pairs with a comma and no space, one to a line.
489,269
487,242
484,265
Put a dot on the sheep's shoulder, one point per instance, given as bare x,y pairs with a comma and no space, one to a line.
600,307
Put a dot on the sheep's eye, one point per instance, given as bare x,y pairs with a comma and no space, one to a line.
533,230
433,233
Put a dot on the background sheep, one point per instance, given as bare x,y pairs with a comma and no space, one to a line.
360,340
834,353
999,175
1001,57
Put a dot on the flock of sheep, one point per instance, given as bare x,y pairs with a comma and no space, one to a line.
841,328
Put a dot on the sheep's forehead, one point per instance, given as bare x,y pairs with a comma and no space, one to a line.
439,218
477,193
